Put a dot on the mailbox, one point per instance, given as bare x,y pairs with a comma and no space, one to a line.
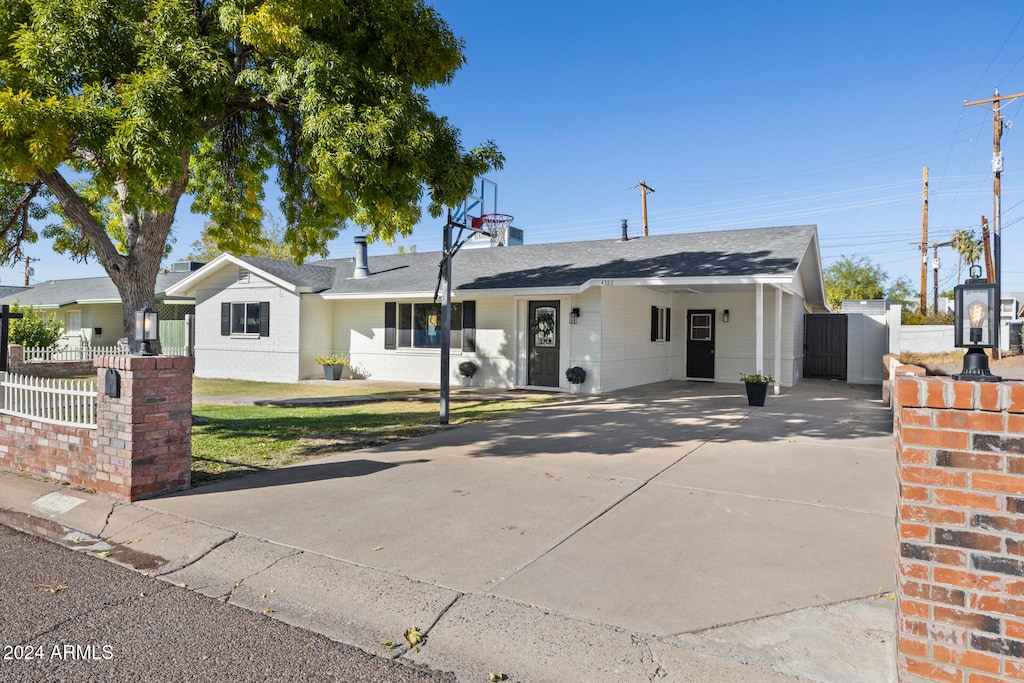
112,384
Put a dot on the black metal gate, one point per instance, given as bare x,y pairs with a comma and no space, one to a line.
825,346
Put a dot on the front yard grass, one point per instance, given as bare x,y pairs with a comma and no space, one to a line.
238,387
238,440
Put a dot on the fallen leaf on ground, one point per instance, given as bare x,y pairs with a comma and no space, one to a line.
413,636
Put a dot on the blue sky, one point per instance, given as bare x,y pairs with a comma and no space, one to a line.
739,114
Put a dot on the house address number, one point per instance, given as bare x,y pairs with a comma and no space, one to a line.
607,283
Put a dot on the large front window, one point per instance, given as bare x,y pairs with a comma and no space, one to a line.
419,326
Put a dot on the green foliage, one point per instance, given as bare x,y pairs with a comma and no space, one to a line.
32,331
859,278
915,318
756,378
467,368
332,359
270,244
853,279
576,375
141,101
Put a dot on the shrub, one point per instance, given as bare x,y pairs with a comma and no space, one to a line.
467,368
31,331
332,359
576,375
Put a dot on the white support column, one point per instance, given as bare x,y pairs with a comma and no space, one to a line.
759,328
778,338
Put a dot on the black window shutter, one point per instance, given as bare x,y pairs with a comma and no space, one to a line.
469,326
389,324
668,324
225,319
654,323
264,318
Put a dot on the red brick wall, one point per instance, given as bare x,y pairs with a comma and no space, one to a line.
144,440
960,561
65,368
142,445
54,451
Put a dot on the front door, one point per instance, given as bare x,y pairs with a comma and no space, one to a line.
700,344
544,343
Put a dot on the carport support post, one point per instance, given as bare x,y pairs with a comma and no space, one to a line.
759,328
778,337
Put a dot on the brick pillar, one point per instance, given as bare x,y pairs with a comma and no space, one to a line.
960,557
15,357
144,437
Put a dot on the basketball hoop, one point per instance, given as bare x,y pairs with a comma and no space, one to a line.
496,224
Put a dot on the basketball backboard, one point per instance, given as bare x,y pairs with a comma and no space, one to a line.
482,199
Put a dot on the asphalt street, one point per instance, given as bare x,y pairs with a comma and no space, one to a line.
69,616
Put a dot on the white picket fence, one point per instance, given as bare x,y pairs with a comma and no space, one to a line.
79,353
58,401
87,353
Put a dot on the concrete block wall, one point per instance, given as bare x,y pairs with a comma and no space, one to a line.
960,523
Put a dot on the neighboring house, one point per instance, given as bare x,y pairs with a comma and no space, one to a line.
699,306
91,309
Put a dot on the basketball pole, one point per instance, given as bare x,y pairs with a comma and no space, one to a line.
446,321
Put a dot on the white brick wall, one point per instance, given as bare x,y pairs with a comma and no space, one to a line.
267,359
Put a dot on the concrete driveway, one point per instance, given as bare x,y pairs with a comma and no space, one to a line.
672,510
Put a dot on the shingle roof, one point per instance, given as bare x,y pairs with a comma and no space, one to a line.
314,275
80,290
752,252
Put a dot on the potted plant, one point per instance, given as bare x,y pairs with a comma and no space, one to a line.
757,387
576,376
467,369
333,365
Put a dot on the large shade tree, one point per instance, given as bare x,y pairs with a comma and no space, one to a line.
112,110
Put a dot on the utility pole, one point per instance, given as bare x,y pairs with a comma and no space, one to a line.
645,189
986,244
935,278
997,220
28,262
924,244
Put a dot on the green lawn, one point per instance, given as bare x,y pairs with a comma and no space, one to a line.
239,440
238,387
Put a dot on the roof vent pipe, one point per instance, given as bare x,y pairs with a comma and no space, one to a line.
625,230
362,268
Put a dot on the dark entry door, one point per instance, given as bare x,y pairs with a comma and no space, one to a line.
700,344
825,346
544,343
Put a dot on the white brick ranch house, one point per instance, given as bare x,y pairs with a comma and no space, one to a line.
690,306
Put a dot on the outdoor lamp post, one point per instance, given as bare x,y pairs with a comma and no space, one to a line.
977,315
147,329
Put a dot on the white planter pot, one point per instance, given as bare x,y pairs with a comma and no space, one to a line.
574,388
467,381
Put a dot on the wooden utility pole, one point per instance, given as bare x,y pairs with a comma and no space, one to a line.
990,273
935,278
645,189
924,245
28,262
997,219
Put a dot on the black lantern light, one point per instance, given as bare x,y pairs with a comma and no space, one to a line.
147,329
977,320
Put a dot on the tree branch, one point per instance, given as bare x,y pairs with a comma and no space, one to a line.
18,209
81,217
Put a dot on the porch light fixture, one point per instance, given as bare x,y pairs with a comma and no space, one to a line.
147,329
574,316
725,316
977,318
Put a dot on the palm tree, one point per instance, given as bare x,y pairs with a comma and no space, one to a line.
967,247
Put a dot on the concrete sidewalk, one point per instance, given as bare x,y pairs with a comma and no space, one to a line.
665,533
